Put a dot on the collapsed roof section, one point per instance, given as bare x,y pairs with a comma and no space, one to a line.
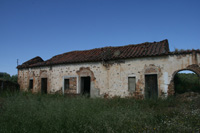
146,49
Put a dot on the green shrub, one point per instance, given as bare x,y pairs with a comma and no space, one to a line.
186,82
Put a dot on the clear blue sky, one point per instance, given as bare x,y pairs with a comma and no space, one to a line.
45,28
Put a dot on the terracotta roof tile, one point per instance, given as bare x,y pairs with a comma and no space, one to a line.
184,52
105,53
31,62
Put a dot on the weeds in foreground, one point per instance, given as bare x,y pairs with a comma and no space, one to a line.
25,112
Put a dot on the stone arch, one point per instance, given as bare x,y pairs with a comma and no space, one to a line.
194,68
31,74
43,74
151,70
84,72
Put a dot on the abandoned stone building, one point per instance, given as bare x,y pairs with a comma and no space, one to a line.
142,70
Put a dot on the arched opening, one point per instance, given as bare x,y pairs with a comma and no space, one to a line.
86,82
186,81
194,68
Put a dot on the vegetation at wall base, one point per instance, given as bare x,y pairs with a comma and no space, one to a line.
26,112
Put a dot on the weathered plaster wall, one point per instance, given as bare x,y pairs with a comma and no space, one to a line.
36,74
72,85
198,59
111,78
183,62
55,76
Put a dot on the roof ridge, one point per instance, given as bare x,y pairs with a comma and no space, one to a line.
111,47
106,53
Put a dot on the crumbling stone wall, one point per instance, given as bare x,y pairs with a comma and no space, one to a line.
55,76
195,68
109,79
72,86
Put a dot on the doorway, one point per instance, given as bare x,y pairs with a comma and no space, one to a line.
44,85
30,84
151,86
85,85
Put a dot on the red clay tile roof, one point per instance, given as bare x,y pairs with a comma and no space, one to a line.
103,54
189,51
31,62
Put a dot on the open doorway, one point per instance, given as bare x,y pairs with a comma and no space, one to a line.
85,85
44,85
30,84
186,81
151,86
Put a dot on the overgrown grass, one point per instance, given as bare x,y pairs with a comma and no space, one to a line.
25,112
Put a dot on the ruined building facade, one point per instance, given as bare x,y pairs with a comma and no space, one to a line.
142,70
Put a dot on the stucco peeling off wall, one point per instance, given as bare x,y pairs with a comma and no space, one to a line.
198,59
138,68
110,78
56,73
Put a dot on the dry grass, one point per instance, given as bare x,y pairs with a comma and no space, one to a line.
25,112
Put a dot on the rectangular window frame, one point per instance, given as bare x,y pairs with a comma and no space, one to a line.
132,90
68,77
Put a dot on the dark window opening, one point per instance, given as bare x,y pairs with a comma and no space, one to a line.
131,84
66,84
44,85
151,86
30,84
85,85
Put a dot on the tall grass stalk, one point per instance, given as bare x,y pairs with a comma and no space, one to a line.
25,112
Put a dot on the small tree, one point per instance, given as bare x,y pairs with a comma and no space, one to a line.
14,78
5,76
